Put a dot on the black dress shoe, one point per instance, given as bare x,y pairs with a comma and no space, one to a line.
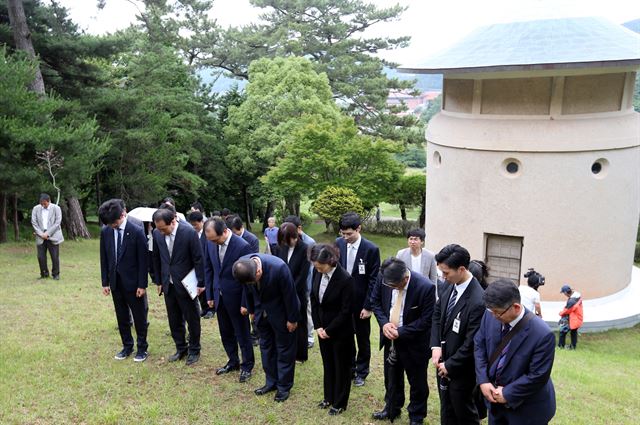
358,381
179,355
324,404
245,375
123,354
385,414
208,315
264,390
56,277
281,396
335,411
226,369
192,358
416,423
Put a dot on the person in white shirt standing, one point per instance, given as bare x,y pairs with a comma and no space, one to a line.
529,293
46,219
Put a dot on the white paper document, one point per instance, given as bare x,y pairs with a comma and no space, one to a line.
190,283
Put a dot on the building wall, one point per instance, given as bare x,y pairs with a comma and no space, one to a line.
579,226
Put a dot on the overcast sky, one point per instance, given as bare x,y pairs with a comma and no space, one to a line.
432,25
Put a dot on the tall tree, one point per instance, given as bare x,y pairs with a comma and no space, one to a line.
22,38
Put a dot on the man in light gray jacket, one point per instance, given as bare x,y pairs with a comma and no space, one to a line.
46,219
419,259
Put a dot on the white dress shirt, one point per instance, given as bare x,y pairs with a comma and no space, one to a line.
394,297
326,277
460,288
416,263
352,250
115,235
290,253
222,249
45,218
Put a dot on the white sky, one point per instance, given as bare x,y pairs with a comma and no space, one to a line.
432,25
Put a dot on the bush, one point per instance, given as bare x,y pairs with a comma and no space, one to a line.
305,219
389,227
334,201
636,256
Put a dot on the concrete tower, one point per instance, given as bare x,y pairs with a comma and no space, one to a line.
534,160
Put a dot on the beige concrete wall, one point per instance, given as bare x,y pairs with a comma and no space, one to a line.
516,96
458,95
585,94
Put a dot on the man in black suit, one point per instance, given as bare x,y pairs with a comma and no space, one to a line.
227,296
176,252
234,222
123,266
403,304
456,319
276,306
360,258
196,219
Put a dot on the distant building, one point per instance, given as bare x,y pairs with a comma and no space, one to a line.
414,104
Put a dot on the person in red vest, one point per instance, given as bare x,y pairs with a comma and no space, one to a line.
570,317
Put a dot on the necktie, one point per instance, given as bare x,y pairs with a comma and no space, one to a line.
395,310
351,257
503,354
221,251
452,301
323,286
170,245
119,244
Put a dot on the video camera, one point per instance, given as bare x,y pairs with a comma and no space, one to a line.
534,279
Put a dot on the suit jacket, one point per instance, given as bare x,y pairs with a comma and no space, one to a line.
416,314
252,240
53,227
299,267
428,267
131,265
458,352
187,255
369,255
219,277
526,372
334,312
275,294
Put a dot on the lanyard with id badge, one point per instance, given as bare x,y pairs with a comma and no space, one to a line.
361,268
456,324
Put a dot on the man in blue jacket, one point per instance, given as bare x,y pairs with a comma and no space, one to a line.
514,379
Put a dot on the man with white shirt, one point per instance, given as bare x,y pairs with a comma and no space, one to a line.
403,303
46,219
361,259
456,319
123,265
196,219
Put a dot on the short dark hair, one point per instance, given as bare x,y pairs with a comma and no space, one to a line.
350,220
454,256
197,206
417,233
195,216
217,223
480,271
501,294
234,222
164,214
324,253
110,211
294,219
393,271
226,211
169,200
44,197
244,270
216,212
167,206
286,233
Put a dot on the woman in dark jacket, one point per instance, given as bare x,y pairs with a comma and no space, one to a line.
293,251
331,295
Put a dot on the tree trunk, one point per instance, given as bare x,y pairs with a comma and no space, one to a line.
403,213
76,226
3,217
16,226
268,213
247,208
423,215
22,38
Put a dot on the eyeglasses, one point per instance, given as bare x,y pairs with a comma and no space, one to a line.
499,315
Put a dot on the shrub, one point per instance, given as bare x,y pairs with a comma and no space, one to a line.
389,227
334,201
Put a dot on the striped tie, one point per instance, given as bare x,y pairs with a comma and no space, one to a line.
503,354
452,301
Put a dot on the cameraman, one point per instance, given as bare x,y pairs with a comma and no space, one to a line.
529,294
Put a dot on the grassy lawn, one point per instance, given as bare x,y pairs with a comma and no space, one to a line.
59,338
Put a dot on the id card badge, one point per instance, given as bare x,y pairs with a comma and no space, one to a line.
361,269
456,324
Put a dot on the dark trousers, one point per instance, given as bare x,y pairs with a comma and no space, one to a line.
457,406
181,308
336,365
204,306
361,358
574,338
499,415
54,252
414,363
234,332
126,303
278,352
301,335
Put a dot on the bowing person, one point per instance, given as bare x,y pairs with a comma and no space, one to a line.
293,251
403,302
331,302
277,311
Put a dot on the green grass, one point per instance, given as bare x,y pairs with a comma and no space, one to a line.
58,340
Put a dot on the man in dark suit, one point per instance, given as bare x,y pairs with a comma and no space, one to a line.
227,296
176,252
234,222
517,384
196,219
276,308
360,258
403,304
123,266
456,318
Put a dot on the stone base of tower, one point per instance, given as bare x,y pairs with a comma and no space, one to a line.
616,311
